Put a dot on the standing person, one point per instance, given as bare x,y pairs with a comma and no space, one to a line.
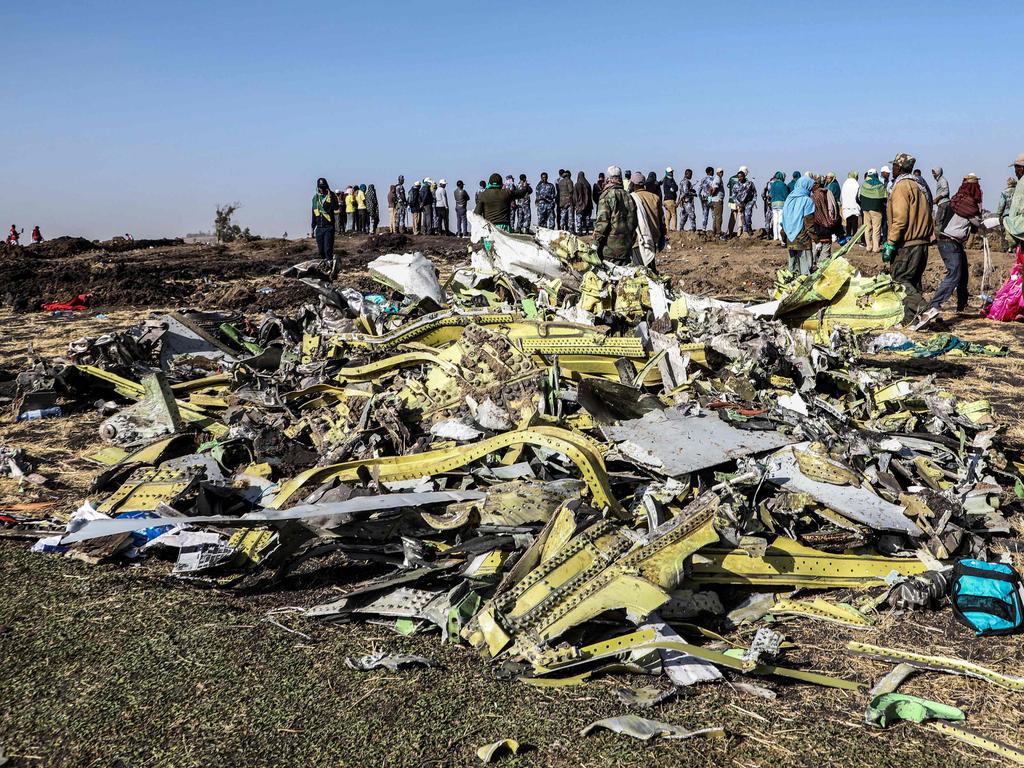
670,196
325,206
495,203
766,199
615,229
547,199
522,206
401,204
827,223
416,208
372,208
885,176
872,198
798,225
441,207
925,188
1004,201
37,236
361,211
961,218
718,201
779,191
732,205
1013,220
13,235
744,195
833,185
650,220
350,208
461,202
565,212
941,196
687,192
598,188
792,182
582,203
392,218
911,229
704,192
651,185
851,208
476,197
427,204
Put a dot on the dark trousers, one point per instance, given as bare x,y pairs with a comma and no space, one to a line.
908,265
324,242
341,220
443,221
955,258
428,220
461,221
852,223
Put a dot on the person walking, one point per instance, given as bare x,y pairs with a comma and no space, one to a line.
872,198
669,197
798,225
615,229
850,207
582,203
324,209
547,199
911,229
565,213
961,217
461,204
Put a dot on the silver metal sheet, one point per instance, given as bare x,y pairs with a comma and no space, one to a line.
677,444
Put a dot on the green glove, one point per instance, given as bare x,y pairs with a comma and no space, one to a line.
888,250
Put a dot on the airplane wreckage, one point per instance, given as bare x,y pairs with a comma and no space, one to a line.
567,465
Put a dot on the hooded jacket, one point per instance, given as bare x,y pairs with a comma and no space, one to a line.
495,202
564,186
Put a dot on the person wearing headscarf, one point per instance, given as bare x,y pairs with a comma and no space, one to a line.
871,199
798,225
349,211
651,184
833,185
325,208
941,195
848,201
911,229
827,222
595,196
793,181
778,191
582,203
962,217
372,209
650,222
615,229
566,217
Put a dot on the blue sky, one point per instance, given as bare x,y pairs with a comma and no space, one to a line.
143,116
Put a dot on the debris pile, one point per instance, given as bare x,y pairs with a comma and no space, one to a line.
572,467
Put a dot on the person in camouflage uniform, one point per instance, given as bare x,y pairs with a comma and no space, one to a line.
1005,200
744,195
706,191
566,215
545,196
687,193
615,229
522,223
401,205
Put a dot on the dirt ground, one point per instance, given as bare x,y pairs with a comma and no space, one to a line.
120,665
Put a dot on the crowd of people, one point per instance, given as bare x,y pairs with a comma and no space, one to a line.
14,235
631,213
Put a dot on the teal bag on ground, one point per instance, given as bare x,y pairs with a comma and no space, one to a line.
987,597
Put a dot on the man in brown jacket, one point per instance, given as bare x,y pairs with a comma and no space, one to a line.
911,230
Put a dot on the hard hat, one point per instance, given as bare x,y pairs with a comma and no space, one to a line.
442,182
743,169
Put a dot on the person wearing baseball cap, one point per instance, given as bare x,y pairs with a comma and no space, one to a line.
1013,222
911,230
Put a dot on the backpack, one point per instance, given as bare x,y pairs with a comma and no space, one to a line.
987,597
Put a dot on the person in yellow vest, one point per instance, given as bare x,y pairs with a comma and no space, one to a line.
350,208
361,214
325,209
